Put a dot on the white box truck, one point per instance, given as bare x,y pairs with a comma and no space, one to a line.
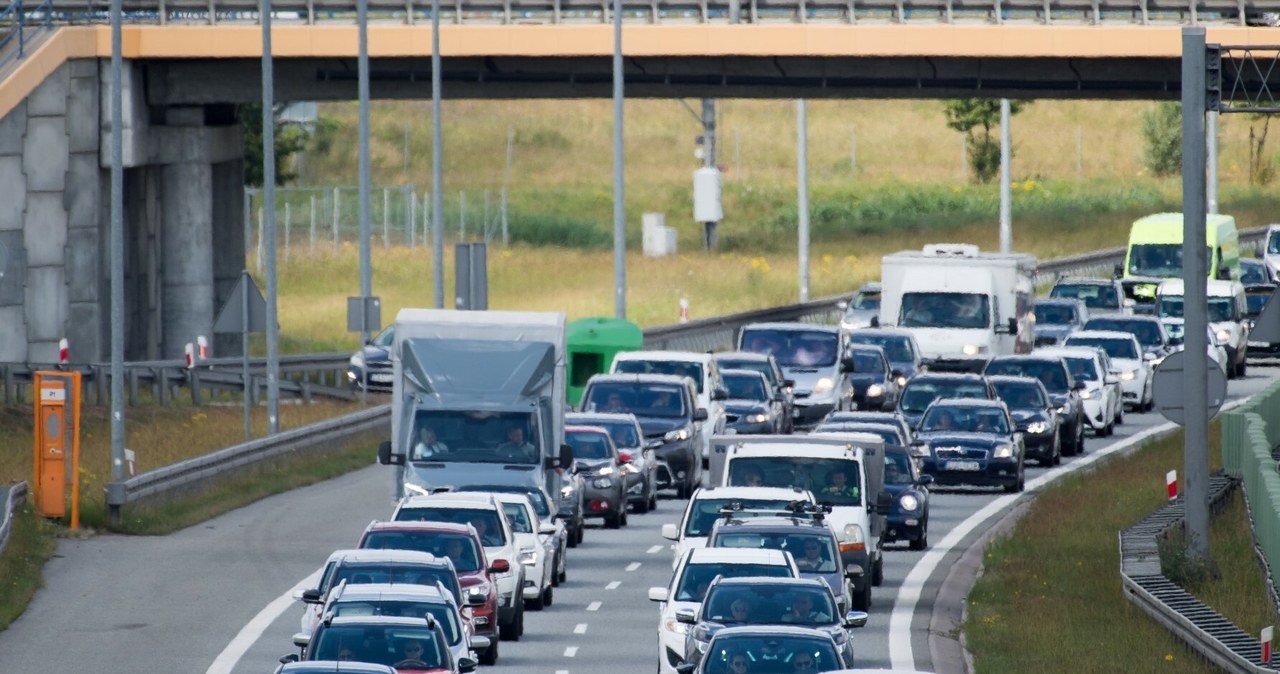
963,306
478,398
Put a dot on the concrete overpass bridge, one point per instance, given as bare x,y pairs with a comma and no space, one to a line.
188,64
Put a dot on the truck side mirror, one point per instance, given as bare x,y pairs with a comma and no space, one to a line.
386,458
846,365
884,502
700,414
1118,271
1013,326
566,456
875,321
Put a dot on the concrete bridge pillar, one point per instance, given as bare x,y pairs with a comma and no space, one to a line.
186,236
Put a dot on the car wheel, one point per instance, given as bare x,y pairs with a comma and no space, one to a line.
613,520
548,596
922,541
1240,369
877,572
510,631
622,512
1056,458
653,495
1120,414
537,603
582,530
555,571
862,600
490,654
562,575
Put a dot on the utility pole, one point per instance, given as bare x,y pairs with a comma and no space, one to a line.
619,202
1006,196
269,203
802,196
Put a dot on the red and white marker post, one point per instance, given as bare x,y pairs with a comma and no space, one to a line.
202,347
684,310
1171,484
64,351
190,354
1267,633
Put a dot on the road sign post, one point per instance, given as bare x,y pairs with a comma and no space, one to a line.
244,312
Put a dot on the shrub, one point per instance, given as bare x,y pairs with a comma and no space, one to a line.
1162,138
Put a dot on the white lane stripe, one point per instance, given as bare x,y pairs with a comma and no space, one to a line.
594,606
901,654
580,628
613,586
654,550
570,651
633,566
562,671
250,633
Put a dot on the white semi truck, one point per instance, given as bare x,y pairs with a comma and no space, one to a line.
478,398
963,306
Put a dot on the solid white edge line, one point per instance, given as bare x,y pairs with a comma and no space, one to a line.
580,628
633,566
613,585
251,632
595,605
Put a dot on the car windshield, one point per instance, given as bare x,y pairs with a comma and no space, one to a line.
1257,301
1082,369
945,310
1170,306
385,338
897,468
814,553
1056,314
518,517
538,497
1019,395
696,577
1115,348
588,444
1253,272
1049,372
920,393
866,301
770,654
366,573
760,366
793,348
381,645
897,348
680,368
944,418
1162,260
746,387
867,362
1095,296
624,433
459,548
639,398
1147,331
484,520
1273,242
705,511
444,614
474,437
765,604
834,481
886,433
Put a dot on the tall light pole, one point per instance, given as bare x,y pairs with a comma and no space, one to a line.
366,261
437,161
1006,196
802,195
269,208
117,256
619,210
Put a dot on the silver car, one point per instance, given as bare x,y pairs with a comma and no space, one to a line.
641,464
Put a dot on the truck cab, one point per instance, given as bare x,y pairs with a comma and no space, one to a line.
1154,253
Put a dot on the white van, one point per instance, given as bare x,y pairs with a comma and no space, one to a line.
1227,317
1270,248
700,367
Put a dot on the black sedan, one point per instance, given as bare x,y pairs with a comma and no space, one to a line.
1064,391
923,389
1035,415
972,442
752,407
875,383
909,518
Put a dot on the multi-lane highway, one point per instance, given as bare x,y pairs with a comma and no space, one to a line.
216,597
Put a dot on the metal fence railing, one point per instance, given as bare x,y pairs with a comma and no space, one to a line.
12,498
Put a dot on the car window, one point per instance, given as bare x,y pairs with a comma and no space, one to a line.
765,604
920,393
897,348
694,580
1050,373
588,444
1147,332
380,645
793,348
1019,396
486,522
1082,369
679,368
814,553
518,517
1115,348
458,547
761,366
743,387
944,418
443,613
640,398
704,512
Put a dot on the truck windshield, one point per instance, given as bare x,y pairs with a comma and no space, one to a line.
945,310
639,398
1160,259
1170,306
794,348
833,481
474,437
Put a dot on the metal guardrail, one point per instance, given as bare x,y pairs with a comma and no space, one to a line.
13,497
1203,629
201,468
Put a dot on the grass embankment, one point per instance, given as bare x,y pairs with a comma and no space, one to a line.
1050,598
31,544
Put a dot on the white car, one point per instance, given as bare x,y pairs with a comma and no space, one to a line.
693,573
700,367
1128,363
1176,330
1102,400
704,507
535,546
1227,316
483,512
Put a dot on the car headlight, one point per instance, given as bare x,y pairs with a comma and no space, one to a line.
1086,394
1128,375
566,491
824,385
415,489
676,435
852,534
1003,452
607,470
1062,409
674,626
757,418
973,349
602,483
1038,427
1224,336
357,360
908,502
875,391
528,556
902,380
481,590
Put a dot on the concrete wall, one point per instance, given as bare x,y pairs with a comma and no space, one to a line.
183,193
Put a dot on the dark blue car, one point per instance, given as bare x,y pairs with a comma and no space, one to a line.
375,359
909,519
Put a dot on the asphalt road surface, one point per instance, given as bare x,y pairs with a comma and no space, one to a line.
215,598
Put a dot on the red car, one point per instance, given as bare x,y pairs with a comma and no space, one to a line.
461,544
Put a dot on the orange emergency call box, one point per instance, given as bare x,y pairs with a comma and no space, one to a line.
57,444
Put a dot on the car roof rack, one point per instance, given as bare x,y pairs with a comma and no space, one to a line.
798,509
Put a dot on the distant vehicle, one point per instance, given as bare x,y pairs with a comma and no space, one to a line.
374,358
1129,365
1035,414
1155,253
1063,390
1100,296
899,347
972,442
700,367
1271,249
706,506
895,419
1101,397
752,406
771,649
923,389
810,357
890,433
863,310
909,519
768,365
1056,319
596,459
558,538
642,463
874,381
1226,317
1148,330
1253,272
810,541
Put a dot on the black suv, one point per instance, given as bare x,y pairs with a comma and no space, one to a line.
924,388
1063,390
667,408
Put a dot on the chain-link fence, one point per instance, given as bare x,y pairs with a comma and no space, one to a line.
311,220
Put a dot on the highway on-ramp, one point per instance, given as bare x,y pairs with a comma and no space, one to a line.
214,598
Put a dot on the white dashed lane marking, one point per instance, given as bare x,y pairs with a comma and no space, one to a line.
612,586
594,606
633,566
654,550
570,651
580,628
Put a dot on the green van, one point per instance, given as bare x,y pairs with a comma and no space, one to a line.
1155,253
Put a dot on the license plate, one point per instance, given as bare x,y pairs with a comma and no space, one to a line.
962,465
380,377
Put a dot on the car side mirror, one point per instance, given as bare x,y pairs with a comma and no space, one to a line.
1148,356
1078,386
700,414
499,566
875,321
925,480
719,394
301,639
547,529
1111,379
466,665
895,373
658,594
1013,325
884,502
292,657
1175,341
477,599
789,383
686,616
311,596
566,456
480,642
854,619
670,532
654,443
686,668
386,458
846,365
